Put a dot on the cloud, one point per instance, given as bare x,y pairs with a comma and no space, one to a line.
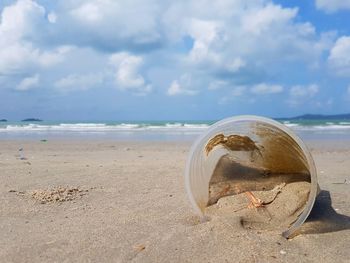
339,58
226,43
235,93
127,76
79,82
299,94
182,87
261,21
89,12
52,17
235,65
113,25
303,91
28,83
264,88
20,25
247,41
204,34
333,5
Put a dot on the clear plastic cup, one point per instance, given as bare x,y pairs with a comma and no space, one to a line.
252,154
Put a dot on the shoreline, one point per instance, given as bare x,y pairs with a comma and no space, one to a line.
325,143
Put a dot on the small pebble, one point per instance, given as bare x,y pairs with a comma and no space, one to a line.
282,252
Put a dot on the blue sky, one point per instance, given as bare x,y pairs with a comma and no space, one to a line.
173,60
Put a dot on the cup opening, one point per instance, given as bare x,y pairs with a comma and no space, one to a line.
256,169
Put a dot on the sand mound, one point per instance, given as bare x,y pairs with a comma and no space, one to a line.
58,194
280,207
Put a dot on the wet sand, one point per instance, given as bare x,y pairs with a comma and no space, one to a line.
110,201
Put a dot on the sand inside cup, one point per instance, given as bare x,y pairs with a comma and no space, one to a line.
282,206
273,171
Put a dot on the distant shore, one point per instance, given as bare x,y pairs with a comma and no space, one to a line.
157,130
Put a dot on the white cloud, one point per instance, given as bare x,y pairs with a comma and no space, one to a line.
79,82
117,23
28,83
182,87
302,91
19,23
235,65
331,6
19,19
127,76
261,20
52,17
233,94
204,33
244,39
52,57
234,41
174,88
89,12
339,58
299,94
264,88
244,92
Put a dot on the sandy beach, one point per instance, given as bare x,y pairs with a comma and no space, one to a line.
126,202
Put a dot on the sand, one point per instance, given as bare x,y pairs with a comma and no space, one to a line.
279,208
125,202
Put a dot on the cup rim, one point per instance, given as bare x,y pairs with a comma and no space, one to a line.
311,165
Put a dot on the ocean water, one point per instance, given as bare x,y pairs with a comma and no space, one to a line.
158,130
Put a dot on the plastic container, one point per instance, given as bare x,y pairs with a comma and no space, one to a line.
245,154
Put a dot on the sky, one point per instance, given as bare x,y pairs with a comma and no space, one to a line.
173,60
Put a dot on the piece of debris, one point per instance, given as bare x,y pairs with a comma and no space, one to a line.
12,191
345,182
21,154
140,247
282,252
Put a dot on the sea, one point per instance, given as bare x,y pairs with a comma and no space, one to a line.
157,130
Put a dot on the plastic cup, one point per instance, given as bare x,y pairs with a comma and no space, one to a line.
244,154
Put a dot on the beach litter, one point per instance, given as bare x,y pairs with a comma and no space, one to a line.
140,247
345,182
21,154
254,169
